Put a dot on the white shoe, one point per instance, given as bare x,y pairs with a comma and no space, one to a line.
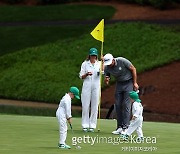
64,146
91,129
117,132
123,131
85,129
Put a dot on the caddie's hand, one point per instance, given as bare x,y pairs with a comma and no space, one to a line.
102,59
69,120
89,73
136,87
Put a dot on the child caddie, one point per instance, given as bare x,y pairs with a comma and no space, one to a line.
137,118
63,115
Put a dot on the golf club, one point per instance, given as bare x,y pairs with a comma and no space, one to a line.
77,146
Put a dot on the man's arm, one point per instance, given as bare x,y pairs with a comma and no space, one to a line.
134,75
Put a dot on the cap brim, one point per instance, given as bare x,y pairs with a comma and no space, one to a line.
77,96
109,62
138,100
93,54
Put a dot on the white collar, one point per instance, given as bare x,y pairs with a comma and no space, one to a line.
68,96
91,63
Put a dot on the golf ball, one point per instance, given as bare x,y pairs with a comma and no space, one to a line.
78,147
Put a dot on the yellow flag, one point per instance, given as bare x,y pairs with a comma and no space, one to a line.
98,32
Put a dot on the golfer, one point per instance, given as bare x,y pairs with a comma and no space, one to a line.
126,80
63,114
90,74
137,118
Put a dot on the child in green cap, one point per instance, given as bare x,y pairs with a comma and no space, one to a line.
63,115
137,117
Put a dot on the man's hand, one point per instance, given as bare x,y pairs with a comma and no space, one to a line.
106,80
136,86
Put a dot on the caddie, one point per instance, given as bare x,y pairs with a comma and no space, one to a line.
90,74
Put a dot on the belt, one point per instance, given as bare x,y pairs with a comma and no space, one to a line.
124,82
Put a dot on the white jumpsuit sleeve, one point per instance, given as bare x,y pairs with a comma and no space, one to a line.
83,70
68,109
137,111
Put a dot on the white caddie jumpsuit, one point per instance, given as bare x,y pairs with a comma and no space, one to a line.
63,113
90,93
137,111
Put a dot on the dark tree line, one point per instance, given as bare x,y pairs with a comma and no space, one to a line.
160,4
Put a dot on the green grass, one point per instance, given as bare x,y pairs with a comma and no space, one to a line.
38,111
22,110
39,135
55,12
15,38
46,72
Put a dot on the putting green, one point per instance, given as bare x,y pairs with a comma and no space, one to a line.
39,135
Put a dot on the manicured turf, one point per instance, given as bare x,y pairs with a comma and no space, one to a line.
39,135
45,73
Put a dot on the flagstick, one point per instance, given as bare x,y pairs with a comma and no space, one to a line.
98,34
100,89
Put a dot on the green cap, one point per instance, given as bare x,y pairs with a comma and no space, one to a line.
134,96
93,51
75,91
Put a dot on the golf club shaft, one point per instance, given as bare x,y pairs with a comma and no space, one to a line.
73,134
